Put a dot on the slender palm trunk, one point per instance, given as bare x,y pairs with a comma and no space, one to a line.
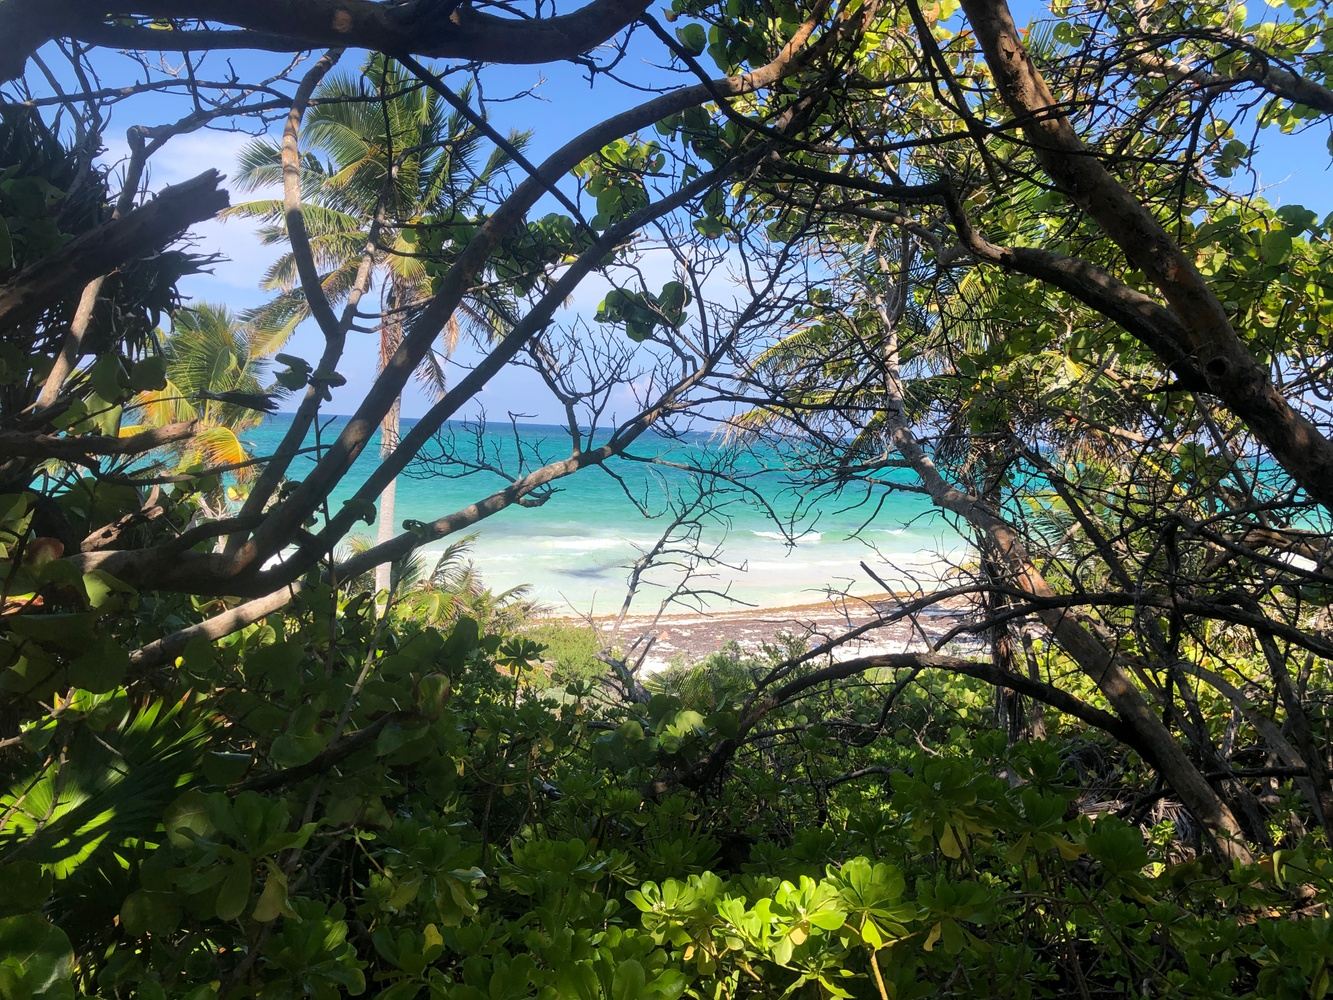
390,335
384,530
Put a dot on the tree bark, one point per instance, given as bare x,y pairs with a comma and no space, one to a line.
417,27
164,650
391,334
385,527
100,251
82,449
1210,343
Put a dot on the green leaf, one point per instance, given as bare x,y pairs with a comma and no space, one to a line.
1276,246
301,741
629,981
235,890
828,920
363,508
108,378
631,731
149,374
69,632
871,935
222,768
433,694
1118,846
710,226
101,668
462,641
693,39
579,980
187,819
145,912
1297,218
407,989
38,955
949,843
26,884
103,590
292,749
272,902
6,247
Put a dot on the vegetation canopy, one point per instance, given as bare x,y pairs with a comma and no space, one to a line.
1020,262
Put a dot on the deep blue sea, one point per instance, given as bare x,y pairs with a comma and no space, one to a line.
780,542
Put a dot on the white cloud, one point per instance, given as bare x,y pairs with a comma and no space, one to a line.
182,156
245,258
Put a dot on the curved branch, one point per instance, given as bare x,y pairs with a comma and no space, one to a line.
291,197
169,647
1276,80
16,444
330,756
1047,694
420,27
100,251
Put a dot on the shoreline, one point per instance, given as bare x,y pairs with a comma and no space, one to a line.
691,636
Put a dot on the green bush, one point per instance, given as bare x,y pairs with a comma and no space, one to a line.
333,805
571,649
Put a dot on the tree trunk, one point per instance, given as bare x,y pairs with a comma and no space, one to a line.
1086,650
1002,546
1037,715
391,334
1009,704
385,529
1211,343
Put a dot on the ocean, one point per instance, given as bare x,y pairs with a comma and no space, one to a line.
776,540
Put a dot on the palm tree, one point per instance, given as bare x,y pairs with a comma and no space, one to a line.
451,590
400,162
215,374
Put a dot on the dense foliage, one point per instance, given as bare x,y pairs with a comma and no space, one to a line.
337,803
1026,272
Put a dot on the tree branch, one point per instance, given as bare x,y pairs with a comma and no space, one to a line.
17,444
295,25
100,251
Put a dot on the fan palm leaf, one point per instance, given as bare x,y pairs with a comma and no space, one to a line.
112,785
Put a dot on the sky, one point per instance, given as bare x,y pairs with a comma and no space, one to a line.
1292,169
562,104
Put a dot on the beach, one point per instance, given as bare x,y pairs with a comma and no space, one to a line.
767,561
691,637
774,542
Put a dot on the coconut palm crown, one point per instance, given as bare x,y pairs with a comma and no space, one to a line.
216,373
384,159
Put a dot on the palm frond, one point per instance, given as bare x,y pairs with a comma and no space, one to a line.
110,786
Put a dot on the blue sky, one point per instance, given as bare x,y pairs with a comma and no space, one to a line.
1292,169
561,103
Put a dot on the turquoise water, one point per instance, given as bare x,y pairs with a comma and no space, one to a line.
780,541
